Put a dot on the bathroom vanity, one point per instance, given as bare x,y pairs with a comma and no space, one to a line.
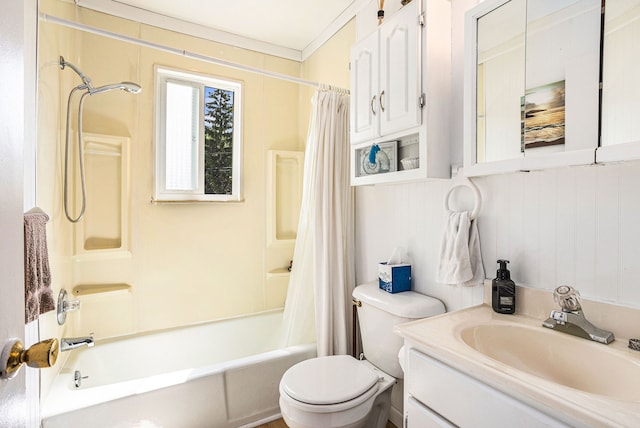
477,368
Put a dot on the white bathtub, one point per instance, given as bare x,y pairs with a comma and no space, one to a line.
221,374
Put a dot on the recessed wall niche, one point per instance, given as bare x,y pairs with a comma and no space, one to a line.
105,224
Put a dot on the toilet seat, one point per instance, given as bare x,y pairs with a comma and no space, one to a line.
325,383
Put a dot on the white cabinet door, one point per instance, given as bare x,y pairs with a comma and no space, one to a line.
364,89
420,416
439,387
399,96
385,75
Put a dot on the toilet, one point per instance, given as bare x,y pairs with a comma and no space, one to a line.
342,392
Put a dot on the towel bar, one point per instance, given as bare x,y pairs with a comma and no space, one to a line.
465,182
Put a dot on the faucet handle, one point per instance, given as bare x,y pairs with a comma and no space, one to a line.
65,306
568,298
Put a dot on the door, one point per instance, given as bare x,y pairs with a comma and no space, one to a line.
13,132
399,97
420,416
364,89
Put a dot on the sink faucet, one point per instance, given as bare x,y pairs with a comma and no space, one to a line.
570,319
69,343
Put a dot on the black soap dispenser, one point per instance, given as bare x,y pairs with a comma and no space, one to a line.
503,291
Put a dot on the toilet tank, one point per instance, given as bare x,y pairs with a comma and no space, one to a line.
379,312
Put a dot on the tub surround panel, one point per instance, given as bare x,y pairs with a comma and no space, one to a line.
183,266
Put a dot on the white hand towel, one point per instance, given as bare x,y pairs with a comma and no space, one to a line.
460,256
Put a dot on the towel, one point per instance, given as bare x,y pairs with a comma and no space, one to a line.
460,256
38,295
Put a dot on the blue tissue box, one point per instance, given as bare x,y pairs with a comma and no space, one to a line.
394,278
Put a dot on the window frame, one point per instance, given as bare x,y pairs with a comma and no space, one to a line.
195,80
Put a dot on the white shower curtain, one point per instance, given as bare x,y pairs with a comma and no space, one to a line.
322,278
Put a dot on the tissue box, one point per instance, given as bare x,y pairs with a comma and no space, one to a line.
394,278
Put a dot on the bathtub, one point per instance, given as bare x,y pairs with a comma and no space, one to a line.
220,374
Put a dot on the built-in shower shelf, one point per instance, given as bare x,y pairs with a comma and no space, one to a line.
281,272
86,289
284,194
105,227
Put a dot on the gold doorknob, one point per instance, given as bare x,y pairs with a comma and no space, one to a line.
40,355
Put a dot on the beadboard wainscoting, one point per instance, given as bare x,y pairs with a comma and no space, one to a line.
578,226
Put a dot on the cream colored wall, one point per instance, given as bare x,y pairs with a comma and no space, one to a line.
329,64
186,263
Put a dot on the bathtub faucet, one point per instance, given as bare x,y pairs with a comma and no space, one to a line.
69,343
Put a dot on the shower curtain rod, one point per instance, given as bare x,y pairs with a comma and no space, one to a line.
89,29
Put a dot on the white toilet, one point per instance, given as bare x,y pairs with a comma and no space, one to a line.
342,392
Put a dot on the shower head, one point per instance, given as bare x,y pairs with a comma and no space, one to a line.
130,87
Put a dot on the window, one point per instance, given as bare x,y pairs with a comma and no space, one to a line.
198,137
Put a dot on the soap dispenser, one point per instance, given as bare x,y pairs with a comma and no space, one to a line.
503,290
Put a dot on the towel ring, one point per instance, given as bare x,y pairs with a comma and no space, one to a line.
476,194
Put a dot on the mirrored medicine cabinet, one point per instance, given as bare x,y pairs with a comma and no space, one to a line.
620,130
532,84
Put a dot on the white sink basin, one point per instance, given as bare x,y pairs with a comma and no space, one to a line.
577,363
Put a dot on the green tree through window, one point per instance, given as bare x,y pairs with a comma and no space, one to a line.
218,146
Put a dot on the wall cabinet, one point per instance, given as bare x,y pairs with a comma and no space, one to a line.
531,85
400,88
385,78
437,395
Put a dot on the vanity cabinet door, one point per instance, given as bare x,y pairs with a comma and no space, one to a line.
465,401
420,416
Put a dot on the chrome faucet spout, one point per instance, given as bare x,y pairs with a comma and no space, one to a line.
571,320
69,343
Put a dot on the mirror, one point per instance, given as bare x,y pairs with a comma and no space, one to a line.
532,84
500,72
621,59
562,76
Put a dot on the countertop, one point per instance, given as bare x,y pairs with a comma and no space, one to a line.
439,338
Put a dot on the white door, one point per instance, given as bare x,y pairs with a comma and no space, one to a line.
364,89
13,131
399,97
420,416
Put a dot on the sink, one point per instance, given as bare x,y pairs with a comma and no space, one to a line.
576,363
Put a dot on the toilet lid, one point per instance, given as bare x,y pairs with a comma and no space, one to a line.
328,380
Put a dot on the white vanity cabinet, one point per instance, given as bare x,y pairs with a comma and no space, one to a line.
385,78
437,395
400,94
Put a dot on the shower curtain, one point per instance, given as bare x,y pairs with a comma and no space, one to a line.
322,278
